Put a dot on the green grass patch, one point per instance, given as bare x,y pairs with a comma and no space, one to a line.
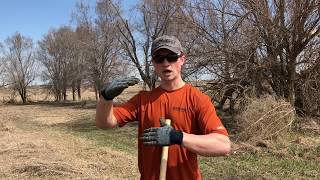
260,165
123,139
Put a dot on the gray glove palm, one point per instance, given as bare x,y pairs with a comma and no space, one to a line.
162,136
117,86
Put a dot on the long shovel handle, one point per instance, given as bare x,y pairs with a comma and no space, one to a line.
164,158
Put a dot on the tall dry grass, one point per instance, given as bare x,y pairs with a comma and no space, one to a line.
35,146
264,119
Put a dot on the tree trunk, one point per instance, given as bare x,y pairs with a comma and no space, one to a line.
291,82
96,92
25,96
73,93
64,94
22,94
79,92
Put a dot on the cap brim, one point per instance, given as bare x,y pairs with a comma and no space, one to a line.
174,50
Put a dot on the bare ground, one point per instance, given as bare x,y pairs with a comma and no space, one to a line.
30,148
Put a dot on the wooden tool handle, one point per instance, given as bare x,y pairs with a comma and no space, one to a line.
164,158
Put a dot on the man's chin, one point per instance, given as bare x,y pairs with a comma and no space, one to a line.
167,78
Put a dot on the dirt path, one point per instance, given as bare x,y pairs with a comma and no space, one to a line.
31,149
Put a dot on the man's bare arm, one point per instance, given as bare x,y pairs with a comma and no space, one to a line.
212,144
104,115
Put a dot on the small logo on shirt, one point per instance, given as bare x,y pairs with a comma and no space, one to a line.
181,109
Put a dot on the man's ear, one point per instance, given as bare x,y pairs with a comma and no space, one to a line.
183,58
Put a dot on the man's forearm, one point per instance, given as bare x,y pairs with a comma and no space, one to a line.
104,114
207,145
104,111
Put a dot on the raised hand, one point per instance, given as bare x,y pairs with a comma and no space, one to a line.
117,86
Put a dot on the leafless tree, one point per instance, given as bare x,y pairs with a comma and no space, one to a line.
57,54
19,63
99,39
2,83
308,80
82,54
217,46
2,72
153,19
285,28
249,43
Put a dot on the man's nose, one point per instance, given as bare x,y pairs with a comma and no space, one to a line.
165,61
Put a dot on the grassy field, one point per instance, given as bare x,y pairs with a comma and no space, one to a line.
60,141
292,162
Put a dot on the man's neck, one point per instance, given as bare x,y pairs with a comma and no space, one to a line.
172,85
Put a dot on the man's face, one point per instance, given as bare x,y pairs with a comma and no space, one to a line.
167,64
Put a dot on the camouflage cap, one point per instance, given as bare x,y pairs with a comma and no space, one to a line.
166,42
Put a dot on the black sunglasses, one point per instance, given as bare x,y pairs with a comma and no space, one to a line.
170,58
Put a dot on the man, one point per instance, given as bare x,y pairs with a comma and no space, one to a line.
195,127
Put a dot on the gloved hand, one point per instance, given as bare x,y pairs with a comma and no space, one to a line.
117,86
162,136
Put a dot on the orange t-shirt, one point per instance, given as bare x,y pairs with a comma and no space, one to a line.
189,110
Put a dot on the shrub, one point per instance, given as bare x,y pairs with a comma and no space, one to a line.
264,118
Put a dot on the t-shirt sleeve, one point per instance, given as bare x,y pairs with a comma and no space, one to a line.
128,111
208,120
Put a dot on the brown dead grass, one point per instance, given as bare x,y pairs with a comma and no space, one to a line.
37,94
265,118
41,152
33,147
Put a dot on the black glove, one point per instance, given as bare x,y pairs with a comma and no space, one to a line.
162,136
117,86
